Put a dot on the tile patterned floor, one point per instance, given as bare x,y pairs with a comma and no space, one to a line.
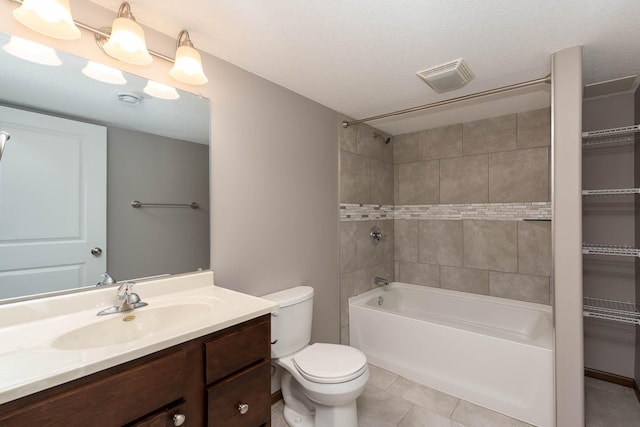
393,401
610,405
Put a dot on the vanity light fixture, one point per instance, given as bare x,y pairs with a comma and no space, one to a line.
49,17
32,51
162,91
188,64
104,73
126,41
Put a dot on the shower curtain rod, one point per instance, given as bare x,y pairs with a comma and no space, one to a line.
547,79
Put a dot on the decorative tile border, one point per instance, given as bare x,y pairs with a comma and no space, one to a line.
362,212
482,211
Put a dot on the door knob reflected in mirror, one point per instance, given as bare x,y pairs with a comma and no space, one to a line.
96,251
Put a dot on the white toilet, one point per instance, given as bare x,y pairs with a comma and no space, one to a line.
321,381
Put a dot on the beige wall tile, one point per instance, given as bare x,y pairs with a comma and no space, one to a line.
405,148
489,135
440,242
534,128
418,274
464,179
440,142
396,184
381,182
406,240
344,338
355,178
519,176
360,281
373,146
351,284
419,183
348,260
348,136
534,248
464,280
519,287
368,254
491,245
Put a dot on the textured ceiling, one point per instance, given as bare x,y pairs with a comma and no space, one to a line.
360,57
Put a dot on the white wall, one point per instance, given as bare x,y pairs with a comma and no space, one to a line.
274,172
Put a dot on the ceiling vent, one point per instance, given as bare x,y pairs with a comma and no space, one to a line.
446,77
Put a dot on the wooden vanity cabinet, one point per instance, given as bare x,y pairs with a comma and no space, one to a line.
207,380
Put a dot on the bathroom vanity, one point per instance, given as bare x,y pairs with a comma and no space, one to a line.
212,375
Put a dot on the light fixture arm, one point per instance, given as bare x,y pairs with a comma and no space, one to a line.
183,42
124,11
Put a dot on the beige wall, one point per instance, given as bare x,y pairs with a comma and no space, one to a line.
274,172
567,235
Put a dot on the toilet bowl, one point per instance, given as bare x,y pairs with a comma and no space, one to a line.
321,381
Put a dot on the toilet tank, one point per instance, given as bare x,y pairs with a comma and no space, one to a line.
291,325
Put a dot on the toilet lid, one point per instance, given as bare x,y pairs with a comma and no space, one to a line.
330,363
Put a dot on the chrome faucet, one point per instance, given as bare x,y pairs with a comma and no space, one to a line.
381,281
106,280
126,300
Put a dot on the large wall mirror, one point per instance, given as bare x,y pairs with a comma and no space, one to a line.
79,152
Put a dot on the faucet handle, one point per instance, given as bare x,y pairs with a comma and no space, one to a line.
125,289
106,280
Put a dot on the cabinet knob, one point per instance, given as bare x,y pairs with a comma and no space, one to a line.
179,419
243,408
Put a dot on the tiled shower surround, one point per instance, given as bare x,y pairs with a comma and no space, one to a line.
451,203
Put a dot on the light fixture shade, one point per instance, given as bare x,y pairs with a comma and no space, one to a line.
127,43
159,90
32,51
49,17
188,66
104,73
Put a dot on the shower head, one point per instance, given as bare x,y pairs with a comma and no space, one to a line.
385,139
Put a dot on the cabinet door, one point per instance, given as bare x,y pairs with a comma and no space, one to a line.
251,388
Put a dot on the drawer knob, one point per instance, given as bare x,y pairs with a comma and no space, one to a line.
179,419
243,408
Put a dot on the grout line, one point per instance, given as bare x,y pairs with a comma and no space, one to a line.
413,405
454,409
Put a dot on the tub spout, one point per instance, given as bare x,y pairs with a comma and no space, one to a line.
381,281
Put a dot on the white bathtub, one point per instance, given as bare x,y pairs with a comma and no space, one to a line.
494,352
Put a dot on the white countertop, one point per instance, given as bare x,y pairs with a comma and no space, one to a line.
29,363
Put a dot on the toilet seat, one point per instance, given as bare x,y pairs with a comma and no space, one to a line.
330,363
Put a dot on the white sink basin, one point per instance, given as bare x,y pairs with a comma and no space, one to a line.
128,326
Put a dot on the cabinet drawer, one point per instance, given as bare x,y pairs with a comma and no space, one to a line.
165,418
112,401
237,350
252,388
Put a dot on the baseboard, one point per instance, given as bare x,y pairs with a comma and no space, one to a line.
613,378
277,396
